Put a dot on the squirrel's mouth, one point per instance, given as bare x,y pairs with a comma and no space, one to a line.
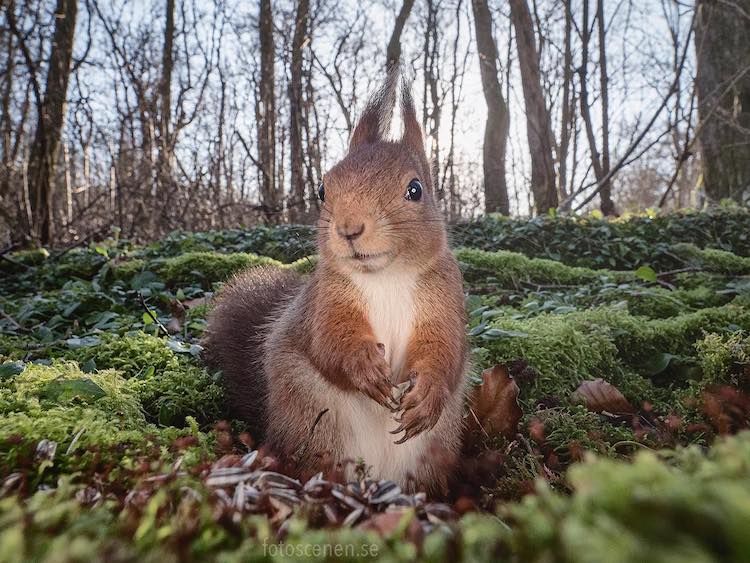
371,260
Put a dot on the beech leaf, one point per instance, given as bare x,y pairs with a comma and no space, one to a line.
601,396
494,404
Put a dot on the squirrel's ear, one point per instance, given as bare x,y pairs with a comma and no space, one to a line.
375,121
412,136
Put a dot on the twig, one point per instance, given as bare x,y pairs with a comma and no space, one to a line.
78,243
315,423
11,320
151,314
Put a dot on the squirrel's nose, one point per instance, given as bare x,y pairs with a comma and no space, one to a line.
350,232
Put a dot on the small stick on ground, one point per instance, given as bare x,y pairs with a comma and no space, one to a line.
303,449
151,314
12,321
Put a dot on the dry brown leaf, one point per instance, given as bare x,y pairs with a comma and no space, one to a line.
386,524
601,396
494,404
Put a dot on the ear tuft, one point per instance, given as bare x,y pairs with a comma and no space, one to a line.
375,121
412,131
412,136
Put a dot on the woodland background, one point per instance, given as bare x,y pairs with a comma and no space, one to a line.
150,151
155,116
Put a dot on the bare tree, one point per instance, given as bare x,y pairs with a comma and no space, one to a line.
265,114
498,120
393,51
50,119
600,161
723,88
538,127
298,201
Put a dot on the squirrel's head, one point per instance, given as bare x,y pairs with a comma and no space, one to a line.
378,206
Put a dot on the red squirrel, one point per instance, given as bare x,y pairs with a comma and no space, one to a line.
312,364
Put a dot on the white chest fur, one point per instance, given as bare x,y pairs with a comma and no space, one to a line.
389,301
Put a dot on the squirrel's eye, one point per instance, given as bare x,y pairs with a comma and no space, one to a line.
322,192
414,190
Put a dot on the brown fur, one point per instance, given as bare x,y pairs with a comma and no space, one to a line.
235,335
320,347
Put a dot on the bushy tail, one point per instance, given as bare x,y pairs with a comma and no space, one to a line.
234,337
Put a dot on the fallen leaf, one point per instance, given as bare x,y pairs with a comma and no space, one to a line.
494,404
601,396
646,273
393,522
727,407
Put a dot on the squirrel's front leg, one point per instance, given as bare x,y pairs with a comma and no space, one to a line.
345,351
435,363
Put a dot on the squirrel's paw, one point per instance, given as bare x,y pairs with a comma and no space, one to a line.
422,406
371,375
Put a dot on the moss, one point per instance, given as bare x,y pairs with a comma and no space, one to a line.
167,385
565,350
645,511
21,260
81,263
509,269
125,271
135,354
64,384
711,259
92,440
170,396
304,265
724,357
571,430
208,267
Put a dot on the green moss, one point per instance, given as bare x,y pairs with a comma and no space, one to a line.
126,270
644,511
565,350
304,265
21,260
134,355
510,269
172,395
81,263
208,267
724,357
64,384
571,430
711,259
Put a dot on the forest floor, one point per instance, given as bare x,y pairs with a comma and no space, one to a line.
611,372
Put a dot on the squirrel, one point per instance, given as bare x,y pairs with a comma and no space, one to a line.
312,365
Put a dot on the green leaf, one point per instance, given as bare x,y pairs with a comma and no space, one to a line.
646,273
63,390
148,319
499,332
658,363
10,369
83,342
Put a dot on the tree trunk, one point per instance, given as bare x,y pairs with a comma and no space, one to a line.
165,89
538,128
432,100
393,51
298,201
723,89
44,149
265,115
605,194
566,117
498,120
